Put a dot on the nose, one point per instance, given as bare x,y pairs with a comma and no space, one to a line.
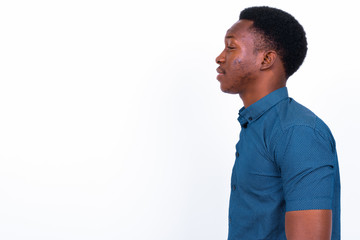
220,59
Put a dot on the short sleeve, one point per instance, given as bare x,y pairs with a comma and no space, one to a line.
307,160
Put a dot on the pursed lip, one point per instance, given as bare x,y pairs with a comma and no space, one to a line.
220,71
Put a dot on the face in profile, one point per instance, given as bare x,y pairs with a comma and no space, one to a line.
238,62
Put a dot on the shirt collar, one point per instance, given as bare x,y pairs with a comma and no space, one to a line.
255,110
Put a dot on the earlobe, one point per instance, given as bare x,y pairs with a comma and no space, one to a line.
269,59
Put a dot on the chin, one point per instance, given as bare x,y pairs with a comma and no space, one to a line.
228,89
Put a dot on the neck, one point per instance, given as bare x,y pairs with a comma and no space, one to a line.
252,95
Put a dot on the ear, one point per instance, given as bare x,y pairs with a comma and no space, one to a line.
269,58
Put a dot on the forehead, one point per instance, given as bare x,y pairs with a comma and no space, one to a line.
240,30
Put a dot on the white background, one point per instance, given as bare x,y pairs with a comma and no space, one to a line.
113,126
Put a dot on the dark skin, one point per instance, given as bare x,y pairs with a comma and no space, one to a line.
254,73
244,71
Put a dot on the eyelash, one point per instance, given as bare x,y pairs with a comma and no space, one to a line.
228,47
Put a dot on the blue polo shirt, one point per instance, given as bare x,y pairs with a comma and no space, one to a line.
286,160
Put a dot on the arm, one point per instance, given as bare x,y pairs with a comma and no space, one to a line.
308,224
307,162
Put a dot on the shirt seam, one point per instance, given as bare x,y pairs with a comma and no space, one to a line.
309,199
285,131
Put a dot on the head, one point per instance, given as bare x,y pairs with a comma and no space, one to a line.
266,43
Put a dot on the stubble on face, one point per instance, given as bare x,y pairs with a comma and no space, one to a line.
241,76
238,78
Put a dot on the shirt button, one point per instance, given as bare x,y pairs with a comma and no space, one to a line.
233,187
250,118
229,219
237,154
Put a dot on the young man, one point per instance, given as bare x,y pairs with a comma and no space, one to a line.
285,182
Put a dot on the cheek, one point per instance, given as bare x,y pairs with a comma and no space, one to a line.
236,62
243,64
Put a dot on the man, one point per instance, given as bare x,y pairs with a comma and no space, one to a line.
285,181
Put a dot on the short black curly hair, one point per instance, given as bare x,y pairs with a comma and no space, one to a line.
278,31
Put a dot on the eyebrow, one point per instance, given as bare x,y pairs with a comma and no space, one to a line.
229,37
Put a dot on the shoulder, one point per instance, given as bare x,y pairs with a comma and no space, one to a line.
292,113
296,120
